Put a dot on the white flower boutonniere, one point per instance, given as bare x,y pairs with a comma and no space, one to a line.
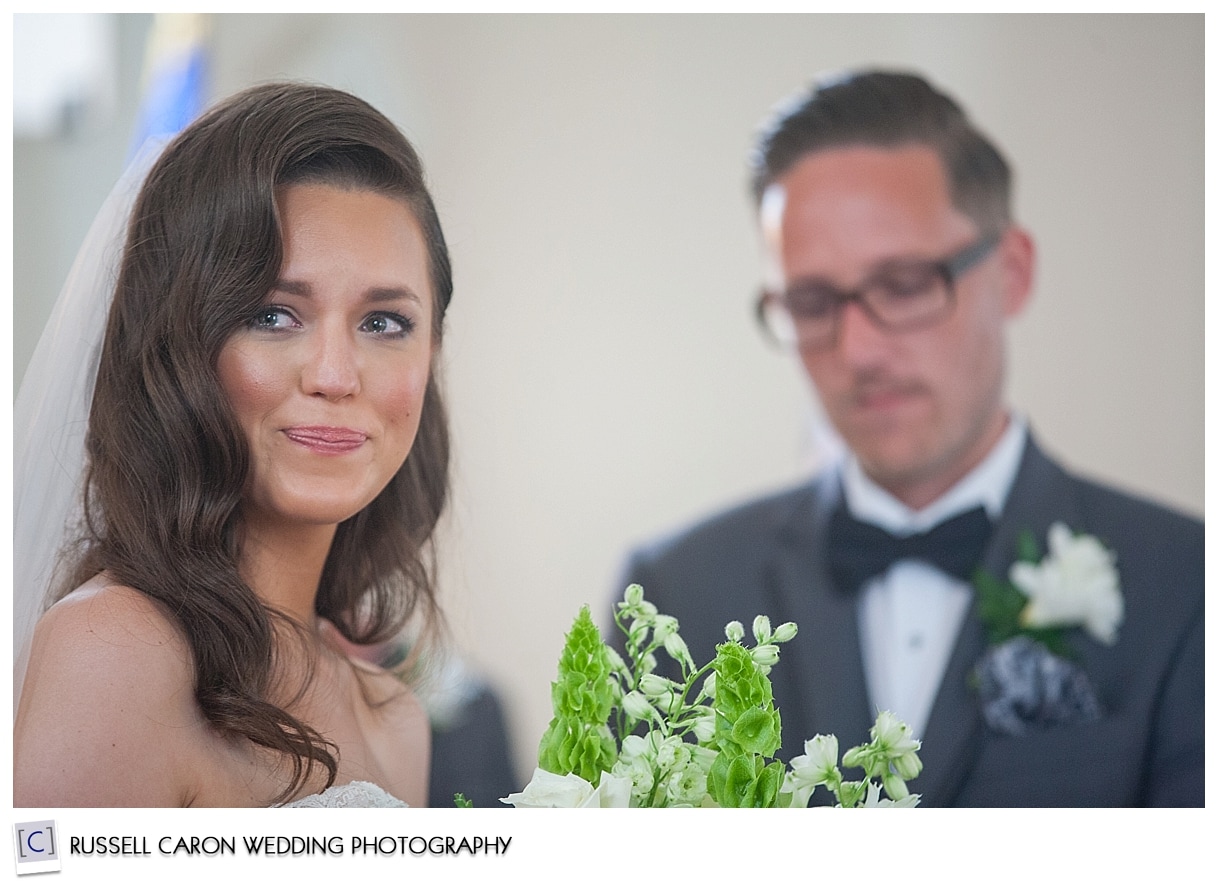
1027,679
1075,584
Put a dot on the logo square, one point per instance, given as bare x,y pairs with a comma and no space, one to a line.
36,847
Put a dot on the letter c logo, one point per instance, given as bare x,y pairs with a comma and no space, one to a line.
29,841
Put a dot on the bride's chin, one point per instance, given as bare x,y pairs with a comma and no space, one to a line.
312,512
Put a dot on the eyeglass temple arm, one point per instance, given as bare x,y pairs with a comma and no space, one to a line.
968,258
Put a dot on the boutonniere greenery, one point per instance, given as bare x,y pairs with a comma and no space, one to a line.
624,736
1028,677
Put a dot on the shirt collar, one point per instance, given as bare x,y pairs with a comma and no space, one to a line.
988,485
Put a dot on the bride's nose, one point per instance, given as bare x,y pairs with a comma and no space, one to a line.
332,367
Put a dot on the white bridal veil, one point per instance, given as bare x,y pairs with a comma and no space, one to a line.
52,410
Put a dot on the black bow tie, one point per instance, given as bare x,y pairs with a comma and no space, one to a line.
857,551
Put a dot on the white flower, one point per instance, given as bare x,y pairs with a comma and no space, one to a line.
615,661
817,765
892,749
734,631
654,686
1075,584
633,746
687,787
765,655
670,753
702,757
612,792
675,646
703,728
637,707
873,800
665,625
547,790
893,735
786,631
761,629
636,764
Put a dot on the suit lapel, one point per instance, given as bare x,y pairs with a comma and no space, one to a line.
1042,493
821,671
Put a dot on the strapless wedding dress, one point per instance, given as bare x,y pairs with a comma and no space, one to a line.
356,794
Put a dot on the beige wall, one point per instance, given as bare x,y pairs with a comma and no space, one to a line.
604,376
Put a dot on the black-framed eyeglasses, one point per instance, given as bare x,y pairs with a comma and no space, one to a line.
899,296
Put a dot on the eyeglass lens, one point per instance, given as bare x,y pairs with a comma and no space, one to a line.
900,296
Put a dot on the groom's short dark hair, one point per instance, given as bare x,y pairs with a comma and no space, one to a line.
887,109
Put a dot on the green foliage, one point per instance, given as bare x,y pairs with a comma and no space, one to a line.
1000,604
745,781
461,801
748,731
578,739
706,738
1027,548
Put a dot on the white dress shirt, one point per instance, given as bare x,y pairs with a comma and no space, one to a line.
910,616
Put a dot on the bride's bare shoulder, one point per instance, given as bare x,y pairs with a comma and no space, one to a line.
113,636
115,615
107,708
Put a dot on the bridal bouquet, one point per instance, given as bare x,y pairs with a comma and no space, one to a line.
623,735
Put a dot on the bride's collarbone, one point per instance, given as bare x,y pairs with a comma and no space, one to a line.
372,724
365,711
233,771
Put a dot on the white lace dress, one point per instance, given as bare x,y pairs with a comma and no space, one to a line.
356,794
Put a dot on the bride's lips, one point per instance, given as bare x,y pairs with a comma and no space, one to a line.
326,439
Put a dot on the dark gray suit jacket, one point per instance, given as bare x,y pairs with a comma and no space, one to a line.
768,557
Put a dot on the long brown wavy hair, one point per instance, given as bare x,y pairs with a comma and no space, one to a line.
167,462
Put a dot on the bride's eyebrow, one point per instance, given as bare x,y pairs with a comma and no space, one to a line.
379,294
391,293
296,289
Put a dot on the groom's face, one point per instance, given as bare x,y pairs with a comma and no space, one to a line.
918,407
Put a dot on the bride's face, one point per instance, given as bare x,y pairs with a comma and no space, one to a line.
328,381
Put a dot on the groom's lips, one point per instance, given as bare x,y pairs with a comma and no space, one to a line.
326,439
880,398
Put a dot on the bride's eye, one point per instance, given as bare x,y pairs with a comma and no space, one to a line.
273,318
388,324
